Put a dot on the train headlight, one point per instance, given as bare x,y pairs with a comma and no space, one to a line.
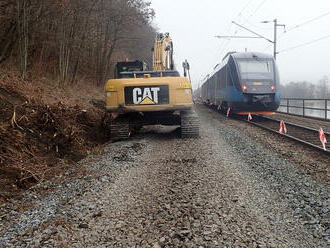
272,87
244,87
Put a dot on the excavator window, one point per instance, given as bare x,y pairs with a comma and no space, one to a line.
129,66
140,74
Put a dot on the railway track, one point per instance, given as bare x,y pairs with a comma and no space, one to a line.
300,133
303,116
305,135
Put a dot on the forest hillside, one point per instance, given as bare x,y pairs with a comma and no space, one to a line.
55,57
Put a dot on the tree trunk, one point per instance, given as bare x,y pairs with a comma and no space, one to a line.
23,35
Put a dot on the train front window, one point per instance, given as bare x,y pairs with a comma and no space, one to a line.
254,66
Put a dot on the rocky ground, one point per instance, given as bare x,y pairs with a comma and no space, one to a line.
229,188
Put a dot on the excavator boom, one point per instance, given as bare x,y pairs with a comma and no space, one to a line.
163,53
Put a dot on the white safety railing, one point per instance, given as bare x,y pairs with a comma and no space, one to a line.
315,108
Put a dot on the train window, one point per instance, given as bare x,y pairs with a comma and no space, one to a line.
255,66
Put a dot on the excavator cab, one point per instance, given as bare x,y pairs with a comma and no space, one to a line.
129,66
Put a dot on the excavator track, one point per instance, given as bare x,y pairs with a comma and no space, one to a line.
189,124
120,129
136,125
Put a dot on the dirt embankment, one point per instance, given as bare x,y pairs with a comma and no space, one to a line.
44,129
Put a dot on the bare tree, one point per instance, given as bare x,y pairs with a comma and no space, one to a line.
323,87
76,37
307,89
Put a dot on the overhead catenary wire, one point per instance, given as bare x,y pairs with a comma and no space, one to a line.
224,44
303,24
244,21
256,9
239,14
304,44
299,26
308,21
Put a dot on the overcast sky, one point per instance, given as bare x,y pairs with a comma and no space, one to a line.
193,24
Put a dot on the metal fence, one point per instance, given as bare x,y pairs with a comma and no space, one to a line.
317,108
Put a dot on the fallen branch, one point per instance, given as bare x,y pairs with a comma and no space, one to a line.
5,197
13,120
4,215
32,175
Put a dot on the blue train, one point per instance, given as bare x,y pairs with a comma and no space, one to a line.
247,82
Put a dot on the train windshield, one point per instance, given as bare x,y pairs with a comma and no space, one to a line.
255,66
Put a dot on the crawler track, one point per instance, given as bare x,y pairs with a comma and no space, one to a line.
119,129
189,124
302,134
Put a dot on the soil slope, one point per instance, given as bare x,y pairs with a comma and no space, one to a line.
45,128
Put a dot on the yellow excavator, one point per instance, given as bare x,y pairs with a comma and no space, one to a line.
137,96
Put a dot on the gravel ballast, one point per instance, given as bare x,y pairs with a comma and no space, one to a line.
225,189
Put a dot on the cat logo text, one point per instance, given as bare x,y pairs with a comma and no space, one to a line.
146,95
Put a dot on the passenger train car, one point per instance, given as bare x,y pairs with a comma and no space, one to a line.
247,82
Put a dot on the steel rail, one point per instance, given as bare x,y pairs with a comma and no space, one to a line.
306,116
292,124
319,148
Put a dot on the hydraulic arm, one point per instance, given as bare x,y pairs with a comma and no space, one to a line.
163,53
